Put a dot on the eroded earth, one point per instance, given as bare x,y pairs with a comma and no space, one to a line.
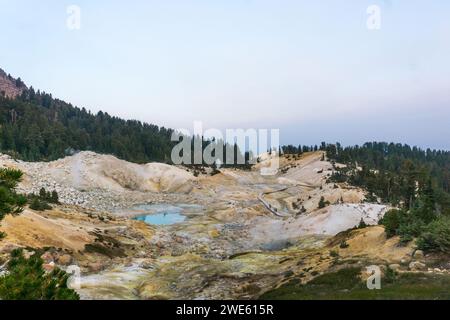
242,233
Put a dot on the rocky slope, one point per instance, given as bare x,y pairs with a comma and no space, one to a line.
100,181
230,245
10,87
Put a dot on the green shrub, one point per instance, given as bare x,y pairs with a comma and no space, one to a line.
334,254
410,228
27,280
371,198
436,236
39,205
391,222
390,275
47,196
10,201
362,224
323,203
344,245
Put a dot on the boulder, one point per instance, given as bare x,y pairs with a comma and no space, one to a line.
417,266
419,254
47,257
49,267
214,233
95,267
394,266
65,260
405,261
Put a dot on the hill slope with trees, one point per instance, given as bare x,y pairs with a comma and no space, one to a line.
36,127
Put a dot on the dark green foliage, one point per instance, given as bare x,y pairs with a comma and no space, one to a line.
343,245
37,127
436,236
39,205
371,198
27,280
54,197
390,275
362,224
406,224
410,228
346,284
334,254
398,174
41,202
345,279
416,181
47,196
10,201
44,128
42,194
323,203
432,232
391,222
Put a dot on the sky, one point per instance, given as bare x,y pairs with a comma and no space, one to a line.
313,69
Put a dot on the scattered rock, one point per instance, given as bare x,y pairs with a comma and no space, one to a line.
405,261
49,267
417,266
148,265
395,266
65,260
47,257
214,233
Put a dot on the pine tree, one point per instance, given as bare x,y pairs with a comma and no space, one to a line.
27,280
54,197
10,201
43,194
322,203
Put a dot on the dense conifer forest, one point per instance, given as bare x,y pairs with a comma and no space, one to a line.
37,127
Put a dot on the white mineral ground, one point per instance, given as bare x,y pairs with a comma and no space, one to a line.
230,246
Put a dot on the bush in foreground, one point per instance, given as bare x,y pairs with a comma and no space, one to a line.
10,201
27,280
39,205
436,236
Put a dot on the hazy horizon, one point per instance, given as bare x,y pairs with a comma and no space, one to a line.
313,70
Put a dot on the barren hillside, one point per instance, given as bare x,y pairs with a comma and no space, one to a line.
94,180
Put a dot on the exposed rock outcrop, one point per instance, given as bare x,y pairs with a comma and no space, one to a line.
10,87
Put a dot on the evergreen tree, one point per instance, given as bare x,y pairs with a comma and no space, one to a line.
10,201
27,280
54,197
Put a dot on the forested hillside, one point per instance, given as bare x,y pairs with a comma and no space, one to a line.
34,126
415,181
396,173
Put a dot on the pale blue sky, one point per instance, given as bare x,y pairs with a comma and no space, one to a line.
310,68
